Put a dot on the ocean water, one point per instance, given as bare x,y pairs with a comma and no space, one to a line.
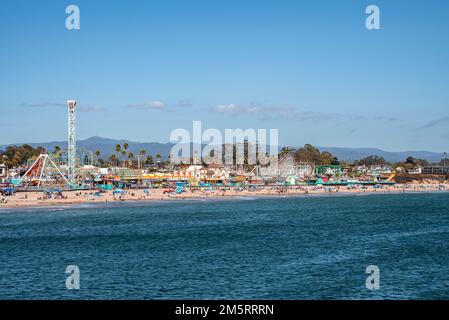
257,248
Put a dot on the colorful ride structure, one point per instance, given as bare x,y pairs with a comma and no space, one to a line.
43,170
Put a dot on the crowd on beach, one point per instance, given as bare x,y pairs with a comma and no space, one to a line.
35,198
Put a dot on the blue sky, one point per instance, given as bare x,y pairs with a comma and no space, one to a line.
140,69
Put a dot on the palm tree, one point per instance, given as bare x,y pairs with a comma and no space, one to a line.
57,153
112,159
284,151
118,149
123,157
149,160
142,152
125,146
158,157
97,154
130,156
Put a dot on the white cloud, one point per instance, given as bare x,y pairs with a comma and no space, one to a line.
185,103
91,109
436,122
229,108
148,105
43,104
256,110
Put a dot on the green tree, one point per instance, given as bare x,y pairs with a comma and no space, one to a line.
284,151
112,159
312,154
158,157
123,156
371,161
57,150
149,160
97,154
118,150
125,147
335,161
15,156
130,157
57,154
416,162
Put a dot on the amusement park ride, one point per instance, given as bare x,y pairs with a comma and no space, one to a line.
41,171
44,170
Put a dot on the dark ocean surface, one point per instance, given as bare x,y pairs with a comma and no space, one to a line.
248,248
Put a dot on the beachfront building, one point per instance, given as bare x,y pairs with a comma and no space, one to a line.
436,170
127,173
400,169
360,169
417,170
196,172
199,172
88,170
377,170
374,170
216,171
331,170
2,171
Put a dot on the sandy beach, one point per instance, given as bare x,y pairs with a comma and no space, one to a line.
37,199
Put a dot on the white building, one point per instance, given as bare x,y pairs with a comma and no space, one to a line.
361,169
374,170
417,170
196,172
2,171
217,172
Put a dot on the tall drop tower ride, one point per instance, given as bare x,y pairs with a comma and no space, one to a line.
71,151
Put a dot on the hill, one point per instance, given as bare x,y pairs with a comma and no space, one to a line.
107,147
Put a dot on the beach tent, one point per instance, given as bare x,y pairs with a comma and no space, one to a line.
7,191
179,187
203,184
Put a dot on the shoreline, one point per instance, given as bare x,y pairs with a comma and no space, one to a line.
76,198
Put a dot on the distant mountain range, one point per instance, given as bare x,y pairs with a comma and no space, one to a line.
352,154
107,147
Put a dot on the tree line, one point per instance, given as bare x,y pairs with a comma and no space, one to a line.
19,156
